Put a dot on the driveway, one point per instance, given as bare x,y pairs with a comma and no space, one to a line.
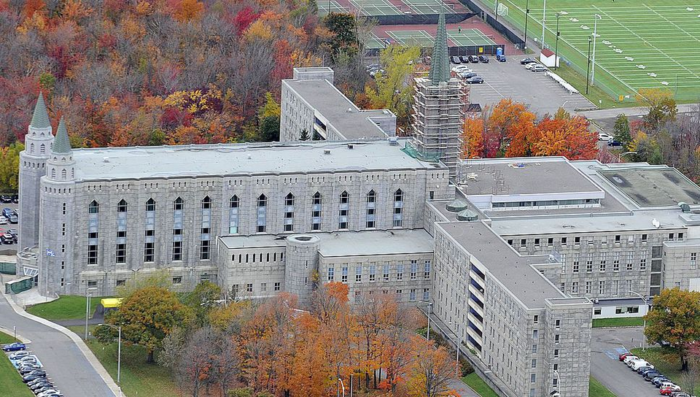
64,362
511,80
606,345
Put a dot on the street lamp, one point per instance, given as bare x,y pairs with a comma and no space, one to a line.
556,44
458,343
644,299
343,385
588,65
496,11
595,34
119,354
430,311
527,12
544,20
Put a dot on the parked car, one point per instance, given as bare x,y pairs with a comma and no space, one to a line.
15,199
501,58
604,137
6,199
7,238
529,66
538,68
636,365
623,355
483,59
614,143
39,384
19,354
25,369
13,347
32,376
651,374
473,59
13,232
48,392
464,58
475,80
468,75
455,59
659,380
643,370
461,69
525,61
630,358
14,219
680,394
38,381
667,390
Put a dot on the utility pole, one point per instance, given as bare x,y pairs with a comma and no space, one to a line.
588,66
527,13
544,21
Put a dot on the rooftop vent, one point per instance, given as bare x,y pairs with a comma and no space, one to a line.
349,110
456,206
684,206
105,159
467,215
351,146
327,151
393,141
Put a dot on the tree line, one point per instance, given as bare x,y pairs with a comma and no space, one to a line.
276,347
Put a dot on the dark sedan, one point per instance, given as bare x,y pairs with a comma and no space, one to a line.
13,347
475,80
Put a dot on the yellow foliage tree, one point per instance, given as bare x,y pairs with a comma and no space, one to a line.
189,10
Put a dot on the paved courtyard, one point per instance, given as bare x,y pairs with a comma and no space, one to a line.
511,80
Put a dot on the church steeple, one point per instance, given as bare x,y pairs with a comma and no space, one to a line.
440,63
61,144
40,119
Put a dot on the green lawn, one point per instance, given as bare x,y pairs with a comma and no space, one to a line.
618,322
137,378
67,307
631,51
666,360
10,381
596,389
479,386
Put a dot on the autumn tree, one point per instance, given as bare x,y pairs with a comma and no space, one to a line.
565,137
473,138
661,105
202,300
505,120
343,29
675,317
431,370
147,316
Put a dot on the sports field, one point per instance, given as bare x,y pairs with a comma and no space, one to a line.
385,7
638,44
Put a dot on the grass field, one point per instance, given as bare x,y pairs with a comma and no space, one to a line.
10,381
618,322
649,44
67,307
479,386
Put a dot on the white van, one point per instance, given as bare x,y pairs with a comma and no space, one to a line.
640,363
630,358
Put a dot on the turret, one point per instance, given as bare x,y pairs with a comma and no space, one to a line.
37,148
61,166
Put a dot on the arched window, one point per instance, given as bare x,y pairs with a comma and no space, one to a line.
316,202
343,210
53,173
289,213
42,149
234,202
178,204
262,201
262,213
64,173
150,205
289,200
371,209
94,208
122,206
206,203
398,208
233,215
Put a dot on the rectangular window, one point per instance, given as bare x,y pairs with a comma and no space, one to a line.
121,253
263,287
121,283
177,280
249,288
693,260
556,353
278,286
399,272
533,378
148,251
412,296
344,274
426,269
615,287
557,323
358,274
575,266
414,269
601,287
372,272
177,251
343,211
426,294
550,241
204,250
556,338
92,254
589,266
371,203
385,275
588,287
574,287
262,214
534,363
398,208
331,273
92,283
536,319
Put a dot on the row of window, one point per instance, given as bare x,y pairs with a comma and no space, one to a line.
524,242
375,273
601,287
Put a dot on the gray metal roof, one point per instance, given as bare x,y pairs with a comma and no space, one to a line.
333,105
61,143
40,119
440,62
504,263
241,159
650,186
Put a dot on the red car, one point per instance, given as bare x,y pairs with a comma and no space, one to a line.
623,355
668,390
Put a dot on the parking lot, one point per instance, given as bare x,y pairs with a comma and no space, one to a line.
4,228
606,346
511,80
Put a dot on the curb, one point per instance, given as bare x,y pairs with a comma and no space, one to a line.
12,332
75,338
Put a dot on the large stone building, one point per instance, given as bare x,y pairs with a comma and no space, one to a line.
510,252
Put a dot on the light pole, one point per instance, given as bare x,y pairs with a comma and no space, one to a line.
87,314
644,299
527,12
430,311
119,355
458,343
342,385
595,35
14,328
544,20
588,64
496,11
556,45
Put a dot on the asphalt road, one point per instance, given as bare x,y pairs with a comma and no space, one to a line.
511,80
606,345
63,361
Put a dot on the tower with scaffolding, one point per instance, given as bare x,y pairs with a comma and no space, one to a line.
438,110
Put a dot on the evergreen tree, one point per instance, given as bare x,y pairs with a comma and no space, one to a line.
621,131
304,135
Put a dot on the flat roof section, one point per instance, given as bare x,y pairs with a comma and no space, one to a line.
364,243
333,105
509,177
505,264
240,159
653,186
